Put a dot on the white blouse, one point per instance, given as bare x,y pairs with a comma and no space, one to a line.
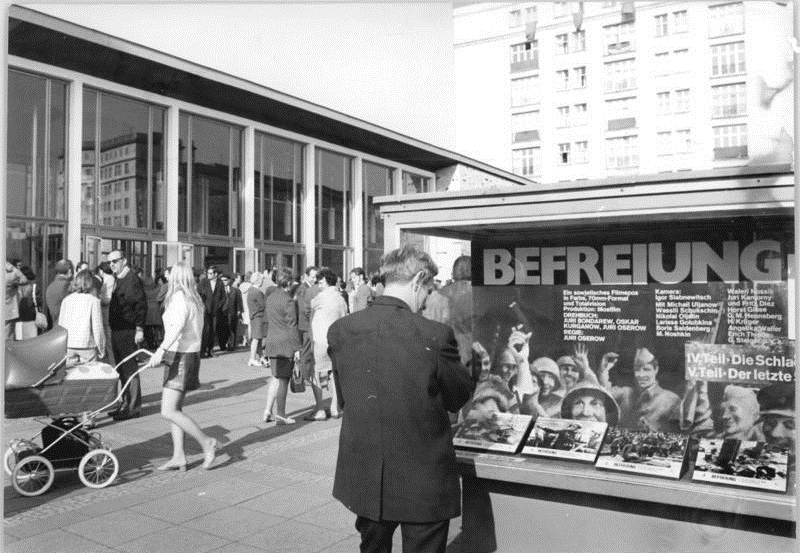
183,325
82,317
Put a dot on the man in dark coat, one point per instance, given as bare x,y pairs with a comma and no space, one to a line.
127,315
212,291
305,293
58,290
232,309
398,375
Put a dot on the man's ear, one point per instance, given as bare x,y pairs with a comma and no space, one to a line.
416,281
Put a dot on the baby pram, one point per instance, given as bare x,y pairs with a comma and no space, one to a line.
41,384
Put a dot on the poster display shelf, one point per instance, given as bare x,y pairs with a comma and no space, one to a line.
577,477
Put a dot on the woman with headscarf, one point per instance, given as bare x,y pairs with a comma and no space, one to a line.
180,354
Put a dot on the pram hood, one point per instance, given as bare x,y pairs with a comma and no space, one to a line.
29,361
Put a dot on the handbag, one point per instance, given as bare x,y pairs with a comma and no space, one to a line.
296,383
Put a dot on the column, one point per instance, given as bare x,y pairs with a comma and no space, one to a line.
172,179
249,215
309,233
357,215
74,249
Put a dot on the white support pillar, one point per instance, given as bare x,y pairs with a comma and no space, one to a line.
173,206
357,221
3,157
309,233
74,250
796,51
391,234
249,183
397,181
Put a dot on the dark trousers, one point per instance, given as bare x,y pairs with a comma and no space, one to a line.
306,354
215,327
231,339
123,344
376,537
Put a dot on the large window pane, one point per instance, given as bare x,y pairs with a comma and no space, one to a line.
377,182
37,245
183,173
211,157
123,179
278,189
334,192
36,184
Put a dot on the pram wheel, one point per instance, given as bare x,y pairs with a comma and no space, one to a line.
32,476
14,453
98,468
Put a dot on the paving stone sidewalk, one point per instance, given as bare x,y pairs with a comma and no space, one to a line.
269,490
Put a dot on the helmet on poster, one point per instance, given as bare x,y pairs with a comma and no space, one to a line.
611,407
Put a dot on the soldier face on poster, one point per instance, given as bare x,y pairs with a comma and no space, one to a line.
680,329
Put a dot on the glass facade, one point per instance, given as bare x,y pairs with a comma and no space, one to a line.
124,181
35,178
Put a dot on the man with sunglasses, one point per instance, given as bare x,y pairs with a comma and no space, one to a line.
126,317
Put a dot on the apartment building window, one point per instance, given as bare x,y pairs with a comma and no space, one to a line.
661,25
661,64
581,152
662,103
664,144
580,77
517,18
527,161
620,75
621,107
525,56
683,141
580,114
729,100
524,91
727,59
726,19
680,61
680,22
525,126
563,153
579,41
562,44
562,80
681,103
619,38
730,142
563,116
622,152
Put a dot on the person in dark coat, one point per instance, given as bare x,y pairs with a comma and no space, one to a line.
58,290
282,344
127,315
231,310
398,375
213,293
305,293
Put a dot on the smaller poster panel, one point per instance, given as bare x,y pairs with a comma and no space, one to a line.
565,439
742,463
651,453
754,364
492,431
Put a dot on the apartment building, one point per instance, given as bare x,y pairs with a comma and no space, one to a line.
582,90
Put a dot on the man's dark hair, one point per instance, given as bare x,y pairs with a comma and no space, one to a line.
309,269
213,268
402,264
283,277
360,272
63,267
104,267
327,274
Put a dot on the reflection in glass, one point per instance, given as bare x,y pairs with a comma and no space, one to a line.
36,184
278,189
123,179
415,184
38,245
377,182
334,188
209,187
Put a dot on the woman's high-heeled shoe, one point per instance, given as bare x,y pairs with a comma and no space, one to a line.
209,453
172,465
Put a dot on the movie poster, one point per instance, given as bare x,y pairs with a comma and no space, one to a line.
671,328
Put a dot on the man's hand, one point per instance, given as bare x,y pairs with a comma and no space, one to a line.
608,362
519,344
139,337
581,357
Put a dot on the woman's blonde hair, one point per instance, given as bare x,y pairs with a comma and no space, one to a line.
181,280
